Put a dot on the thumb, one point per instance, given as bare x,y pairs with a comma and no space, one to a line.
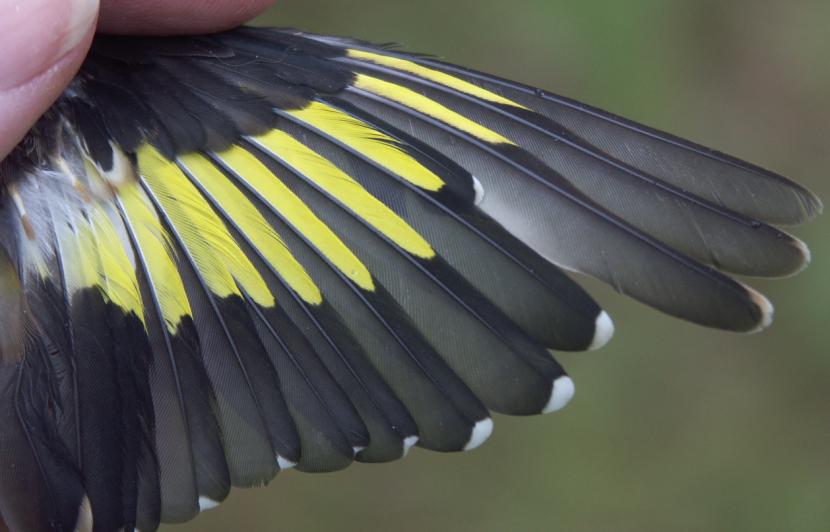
43,43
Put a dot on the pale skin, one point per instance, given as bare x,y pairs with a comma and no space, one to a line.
47,40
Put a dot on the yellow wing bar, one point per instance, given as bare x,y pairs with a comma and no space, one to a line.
437,76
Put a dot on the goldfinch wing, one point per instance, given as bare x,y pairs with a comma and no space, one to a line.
229,255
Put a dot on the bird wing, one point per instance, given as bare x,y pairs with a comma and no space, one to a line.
229,255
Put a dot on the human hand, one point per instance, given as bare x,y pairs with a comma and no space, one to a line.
44,43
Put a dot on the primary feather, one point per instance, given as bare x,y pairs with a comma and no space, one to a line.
228,255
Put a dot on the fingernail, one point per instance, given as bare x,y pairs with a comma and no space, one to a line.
36,34
82,15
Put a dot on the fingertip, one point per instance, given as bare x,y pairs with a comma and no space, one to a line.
48,40
162,17
38,33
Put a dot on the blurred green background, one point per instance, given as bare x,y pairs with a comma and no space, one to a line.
674,428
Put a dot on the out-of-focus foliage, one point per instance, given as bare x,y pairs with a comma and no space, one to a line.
674,427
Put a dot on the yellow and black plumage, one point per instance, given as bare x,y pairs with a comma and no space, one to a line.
228,255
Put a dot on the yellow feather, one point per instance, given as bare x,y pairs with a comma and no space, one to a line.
437,76
377,146
93,256
348,191
251,222
273,191
117,271
428,107
154,244
218,257
79,264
